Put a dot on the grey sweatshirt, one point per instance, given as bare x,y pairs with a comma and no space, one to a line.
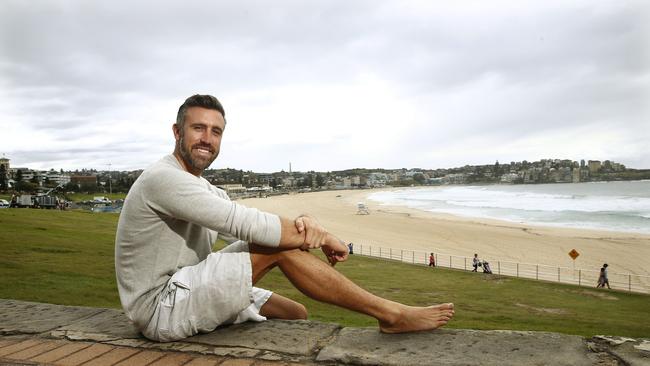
170,220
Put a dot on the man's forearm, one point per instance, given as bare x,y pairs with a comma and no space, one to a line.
290,238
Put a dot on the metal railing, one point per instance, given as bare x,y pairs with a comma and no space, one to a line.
575,276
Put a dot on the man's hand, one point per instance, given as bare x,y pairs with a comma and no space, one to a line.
335,250
315,234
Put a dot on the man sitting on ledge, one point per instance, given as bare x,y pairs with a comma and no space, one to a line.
172,286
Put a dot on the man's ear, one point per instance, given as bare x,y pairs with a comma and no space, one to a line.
177,132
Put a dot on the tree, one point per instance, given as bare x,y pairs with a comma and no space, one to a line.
23,186
419,177
320,181
71,187
89,188
307,181
3,177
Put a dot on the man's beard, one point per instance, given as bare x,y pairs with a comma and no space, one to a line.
199,163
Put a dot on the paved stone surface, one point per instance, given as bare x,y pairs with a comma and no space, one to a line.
367,346
635,352
296,337
39,334
106,325
20,317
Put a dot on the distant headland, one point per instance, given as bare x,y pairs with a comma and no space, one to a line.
241,182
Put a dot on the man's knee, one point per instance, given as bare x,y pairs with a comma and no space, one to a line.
280,307
300,311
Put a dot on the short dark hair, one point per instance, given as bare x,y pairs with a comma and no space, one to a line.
198,100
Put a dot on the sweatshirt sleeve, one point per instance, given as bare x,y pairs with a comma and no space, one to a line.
180,195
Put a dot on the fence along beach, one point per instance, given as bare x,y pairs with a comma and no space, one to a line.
401,227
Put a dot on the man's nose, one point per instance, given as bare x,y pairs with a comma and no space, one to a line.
206,137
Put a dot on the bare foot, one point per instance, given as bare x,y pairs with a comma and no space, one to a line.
413,319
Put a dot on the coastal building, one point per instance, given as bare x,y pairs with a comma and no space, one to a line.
560,175
584,174
288,182
575,175
26,174
57,178
532,175
377,179
233,189
347,182
594,166
265,178
510,178
459,178
83,180
435,181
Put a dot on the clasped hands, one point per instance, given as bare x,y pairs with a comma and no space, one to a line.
317,237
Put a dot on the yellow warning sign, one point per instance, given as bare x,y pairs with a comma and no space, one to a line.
574,254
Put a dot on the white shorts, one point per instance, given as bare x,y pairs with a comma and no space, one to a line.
199,298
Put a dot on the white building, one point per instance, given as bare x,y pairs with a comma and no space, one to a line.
377,179
58,178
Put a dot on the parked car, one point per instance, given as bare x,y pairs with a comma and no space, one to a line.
4,203
101,199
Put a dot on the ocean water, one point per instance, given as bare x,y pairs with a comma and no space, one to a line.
614,206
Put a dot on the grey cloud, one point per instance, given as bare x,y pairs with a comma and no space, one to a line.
65,64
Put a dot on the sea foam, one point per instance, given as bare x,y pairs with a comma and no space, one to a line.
617,206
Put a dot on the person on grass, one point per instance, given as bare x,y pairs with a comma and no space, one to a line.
172,285
602,278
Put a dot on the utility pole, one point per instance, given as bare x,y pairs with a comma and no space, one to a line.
110,187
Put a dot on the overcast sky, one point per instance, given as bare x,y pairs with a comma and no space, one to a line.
327,85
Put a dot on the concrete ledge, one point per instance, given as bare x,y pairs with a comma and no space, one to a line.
22,317
307,342
457,347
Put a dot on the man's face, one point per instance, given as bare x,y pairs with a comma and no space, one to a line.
200,140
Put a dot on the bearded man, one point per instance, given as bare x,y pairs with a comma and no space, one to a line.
173,286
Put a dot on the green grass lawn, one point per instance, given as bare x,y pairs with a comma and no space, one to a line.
67,258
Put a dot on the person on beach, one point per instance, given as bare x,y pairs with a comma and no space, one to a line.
475,263
172,285
432,260
602,279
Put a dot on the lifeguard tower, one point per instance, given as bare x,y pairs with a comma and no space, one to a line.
362,209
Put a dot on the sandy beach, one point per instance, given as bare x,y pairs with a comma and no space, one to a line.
404,228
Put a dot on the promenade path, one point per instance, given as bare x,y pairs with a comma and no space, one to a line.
46,334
